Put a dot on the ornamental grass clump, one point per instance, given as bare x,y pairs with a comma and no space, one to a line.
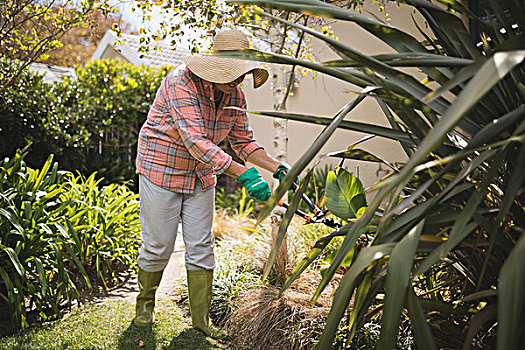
265,319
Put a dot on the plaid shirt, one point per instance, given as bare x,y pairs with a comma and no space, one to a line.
179,139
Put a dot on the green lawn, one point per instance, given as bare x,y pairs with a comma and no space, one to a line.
108,326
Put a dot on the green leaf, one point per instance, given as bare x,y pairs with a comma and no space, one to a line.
488,313
460,77
346,288
344,194
358,154
424,338
397,283
345,125
43,173
407,59
42,278
14,259
511,304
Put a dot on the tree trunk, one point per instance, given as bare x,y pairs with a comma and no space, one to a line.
278,84
280,266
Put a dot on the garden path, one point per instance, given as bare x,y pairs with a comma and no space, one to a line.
174,273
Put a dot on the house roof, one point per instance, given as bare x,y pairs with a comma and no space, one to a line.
52,73
129,50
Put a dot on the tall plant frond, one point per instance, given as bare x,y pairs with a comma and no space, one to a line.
452,216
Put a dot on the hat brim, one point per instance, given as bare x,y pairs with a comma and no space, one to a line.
224,70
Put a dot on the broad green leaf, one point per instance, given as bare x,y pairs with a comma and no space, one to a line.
342,188
349,241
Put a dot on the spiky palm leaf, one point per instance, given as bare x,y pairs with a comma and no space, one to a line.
452,249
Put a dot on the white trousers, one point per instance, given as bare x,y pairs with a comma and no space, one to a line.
160,213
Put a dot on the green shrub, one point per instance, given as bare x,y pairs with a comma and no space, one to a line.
54,228
36,259
24,110
102,111
90,123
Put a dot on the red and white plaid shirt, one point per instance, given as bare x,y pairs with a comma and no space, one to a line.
179,139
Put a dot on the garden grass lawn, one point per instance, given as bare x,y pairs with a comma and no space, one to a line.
107,325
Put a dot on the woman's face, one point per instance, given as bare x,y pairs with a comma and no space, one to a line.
228,88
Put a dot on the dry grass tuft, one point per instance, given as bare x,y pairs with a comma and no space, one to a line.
232,226
267,320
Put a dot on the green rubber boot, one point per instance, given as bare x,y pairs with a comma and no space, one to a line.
200,293
148,284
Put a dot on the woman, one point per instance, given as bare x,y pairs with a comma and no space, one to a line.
178,160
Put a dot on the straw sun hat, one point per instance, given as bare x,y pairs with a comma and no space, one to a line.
224,70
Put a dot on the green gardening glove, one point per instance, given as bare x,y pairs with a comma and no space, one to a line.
281,172
255,184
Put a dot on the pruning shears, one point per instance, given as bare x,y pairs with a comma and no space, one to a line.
318,217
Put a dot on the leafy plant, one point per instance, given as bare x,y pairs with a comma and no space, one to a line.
101,112
103,222
57,230
24,109
89,123
36,255
448,242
